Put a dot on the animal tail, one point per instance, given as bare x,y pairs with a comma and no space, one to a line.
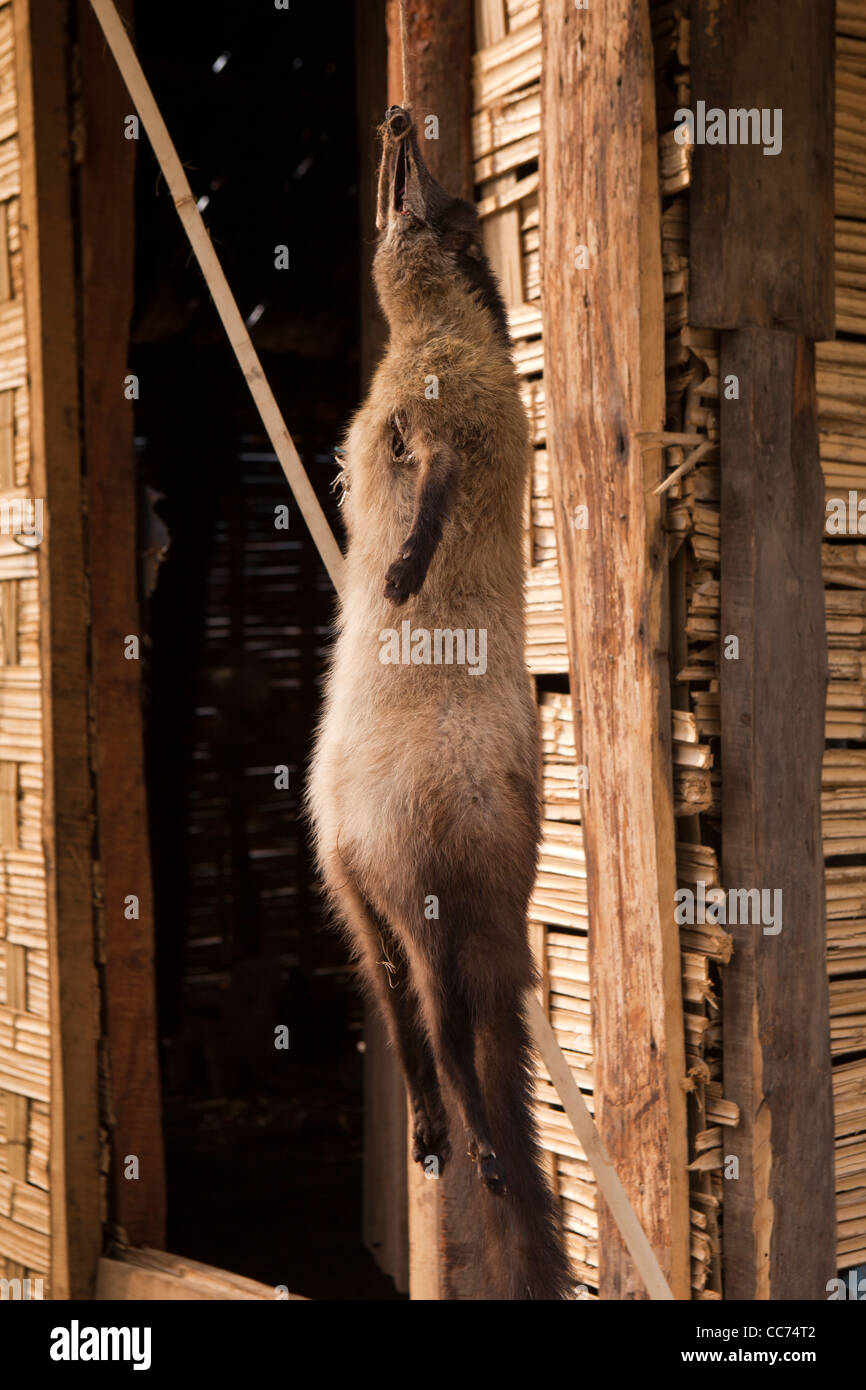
524,1250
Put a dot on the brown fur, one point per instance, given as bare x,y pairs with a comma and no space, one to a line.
425,777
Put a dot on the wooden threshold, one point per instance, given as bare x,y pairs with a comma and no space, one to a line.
145,1274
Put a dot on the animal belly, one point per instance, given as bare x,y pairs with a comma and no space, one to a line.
416,788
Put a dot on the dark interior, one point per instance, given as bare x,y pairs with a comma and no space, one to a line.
263,1144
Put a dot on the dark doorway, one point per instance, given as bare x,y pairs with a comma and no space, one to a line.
264,1143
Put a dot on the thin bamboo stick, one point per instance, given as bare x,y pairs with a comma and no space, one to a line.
211,269
582,1123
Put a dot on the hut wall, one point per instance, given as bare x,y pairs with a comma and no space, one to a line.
25,1074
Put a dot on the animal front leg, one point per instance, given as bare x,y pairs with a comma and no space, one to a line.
439,469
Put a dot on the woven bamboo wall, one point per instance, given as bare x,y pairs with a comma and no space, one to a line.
841,381
24,1022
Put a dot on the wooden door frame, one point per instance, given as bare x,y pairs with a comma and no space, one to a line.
94,827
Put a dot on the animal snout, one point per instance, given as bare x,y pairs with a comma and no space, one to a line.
398,121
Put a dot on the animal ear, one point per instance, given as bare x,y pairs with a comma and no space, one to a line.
458,239
461,230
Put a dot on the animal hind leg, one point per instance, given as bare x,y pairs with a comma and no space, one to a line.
474,983
385,973
451,1022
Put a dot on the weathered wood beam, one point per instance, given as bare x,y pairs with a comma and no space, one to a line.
604,384
107,242
371,55
444,1229
41,55
387,1207
762,258
779,1203
440,68
759,222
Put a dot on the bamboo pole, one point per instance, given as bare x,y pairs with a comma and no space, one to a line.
583,1125
236,329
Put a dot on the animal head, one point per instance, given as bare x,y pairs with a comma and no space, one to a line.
427,238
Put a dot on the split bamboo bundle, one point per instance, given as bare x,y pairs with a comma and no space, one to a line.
692,522
841,385
24,1018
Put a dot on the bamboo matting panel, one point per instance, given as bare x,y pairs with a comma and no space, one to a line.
24,1018
506,124
841,383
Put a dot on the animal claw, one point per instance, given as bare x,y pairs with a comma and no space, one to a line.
493,1175
404,577
430,1140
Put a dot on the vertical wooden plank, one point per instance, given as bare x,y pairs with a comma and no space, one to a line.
760,253
501,230
386,1220
49,296
8,806
107,231
779,1231
9,622
7,437
440,47
444,1230
5,267
388,1216
425,1283
604,381
372,99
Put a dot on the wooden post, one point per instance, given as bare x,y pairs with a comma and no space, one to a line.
52,346
440,66
444,1237
762,224
779,1212
762,260
387,1205
604,384
107,232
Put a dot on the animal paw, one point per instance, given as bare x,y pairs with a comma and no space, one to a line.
405,576
492,1175
430,1141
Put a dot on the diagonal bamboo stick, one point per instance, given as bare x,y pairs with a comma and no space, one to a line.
238,335
572,1100
686,466
582,1123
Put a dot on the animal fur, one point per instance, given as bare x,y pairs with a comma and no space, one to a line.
424,783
